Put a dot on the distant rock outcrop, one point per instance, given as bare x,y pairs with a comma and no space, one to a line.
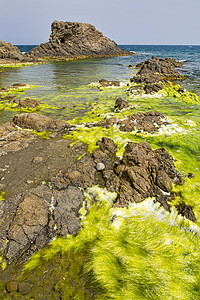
72,40
8,51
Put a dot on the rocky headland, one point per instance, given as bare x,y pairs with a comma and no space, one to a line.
76,40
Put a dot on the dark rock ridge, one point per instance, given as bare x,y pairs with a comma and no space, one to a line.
72,39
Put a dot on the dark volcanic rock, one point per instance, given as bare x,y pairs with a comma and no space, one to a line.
121,104
39,122
72,39
8,51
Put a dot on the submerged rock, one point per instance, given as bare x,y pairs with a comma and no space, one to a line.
72,39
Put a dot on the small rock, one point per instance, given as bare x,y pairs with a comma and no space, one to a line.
24,288
100,166
190,175
120,104
37,160
11,286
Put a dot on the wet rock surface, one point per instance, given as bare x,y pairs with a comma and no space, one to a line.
72,39
13,139
149,122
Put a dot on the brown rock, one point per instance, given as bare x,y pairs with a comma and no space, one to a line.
39,122
121,104
24,288
12,286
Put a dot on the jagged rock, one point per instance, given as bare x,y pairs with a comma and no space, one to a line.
121,104
26,103
39,122
186,211
72,39
153,72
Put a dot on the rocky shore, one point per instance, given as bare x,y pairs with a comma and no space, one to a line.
44,179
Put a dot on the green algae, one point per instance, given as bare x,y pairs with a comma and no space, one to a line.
2,196
173,90
124,255
17,65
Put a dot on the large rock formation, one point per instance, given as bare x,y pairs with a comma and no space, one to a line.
72,39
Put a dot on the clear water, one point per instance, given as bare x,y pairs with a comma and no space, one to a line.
65,84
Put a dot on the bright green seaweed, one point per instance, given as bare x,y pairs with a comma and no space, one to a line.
126,256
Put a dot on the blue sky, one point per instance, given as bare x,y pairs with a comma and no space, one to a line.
124,21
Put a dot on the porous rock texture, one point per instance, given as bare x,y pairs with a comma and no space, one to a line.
72,39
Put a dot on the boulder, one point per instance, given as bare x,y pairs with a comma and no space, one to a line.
39,122
72,39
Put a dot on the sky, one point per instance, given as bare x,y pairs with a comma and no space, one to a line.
137,22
